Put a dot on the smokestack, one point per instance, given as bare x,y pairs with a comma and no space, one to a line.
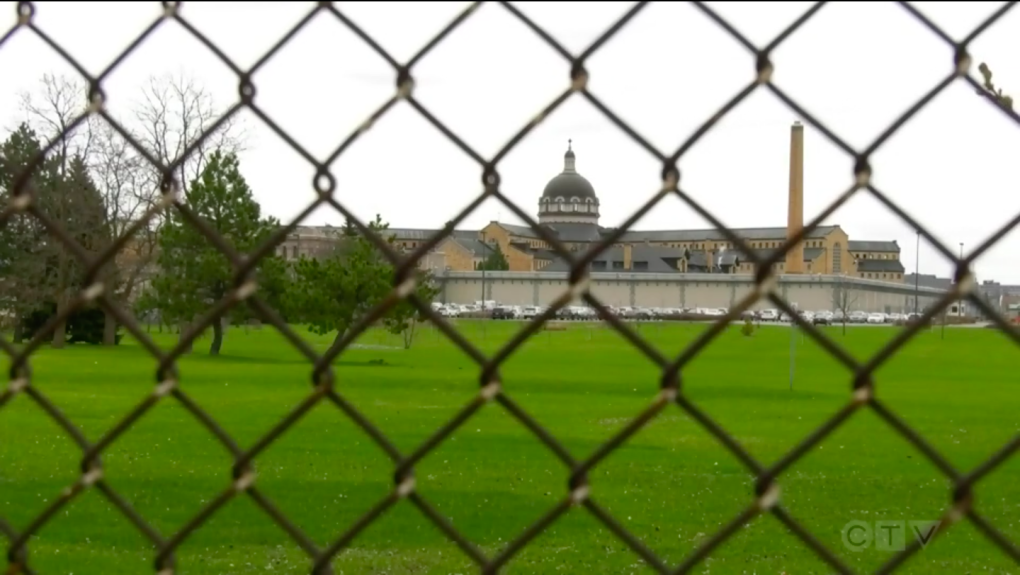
795,217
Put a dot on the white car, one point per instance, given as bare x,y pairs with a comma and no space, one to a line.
876,318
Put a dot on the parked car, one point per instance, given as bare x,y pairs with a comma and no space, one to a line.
502,312
876,318
822,318
857,317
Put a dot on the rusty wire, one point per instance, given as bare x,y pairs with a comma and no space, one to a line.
578,493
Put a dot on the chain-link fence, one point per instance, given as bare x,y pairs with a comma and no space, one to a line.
244,291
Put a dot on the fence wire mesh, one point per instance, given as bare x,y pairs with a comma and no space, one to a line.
244,291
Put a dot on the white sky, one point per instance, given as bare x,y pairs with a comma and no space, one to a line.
855,66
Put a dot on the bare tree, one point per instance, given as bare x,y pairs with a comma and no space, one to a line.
844,297
51,112
130,189
175,113
53,109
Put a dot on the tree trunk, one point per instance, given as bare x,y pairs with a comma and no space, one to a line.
409,335
340,333
217,337
109,329
60,330
182,329
18,329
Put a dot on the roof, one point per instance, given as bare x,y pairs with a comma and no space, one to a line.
475,246
418,234
778,233
576,232
655,257
569,184
520,231
664,259
866,265
928,280
810,254
873,246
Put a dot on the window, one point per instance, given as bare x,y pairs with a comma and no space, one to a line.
837,258
293,251
617,265
599,265
641,265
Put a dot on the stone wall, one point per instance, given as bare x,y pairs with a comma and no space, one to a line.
809,292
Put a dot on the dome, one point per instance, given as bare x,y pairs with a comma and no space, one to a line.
569,184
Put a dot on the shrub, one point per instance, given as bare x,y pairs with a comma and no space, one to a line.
748,328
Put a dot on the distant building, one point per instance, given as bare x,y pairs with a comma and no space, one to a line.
569,210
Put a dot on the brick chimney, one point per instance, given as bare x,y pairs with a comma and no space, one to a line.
795,216
627,256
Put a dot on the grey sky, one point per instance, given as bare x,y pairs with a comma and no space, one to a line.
856,66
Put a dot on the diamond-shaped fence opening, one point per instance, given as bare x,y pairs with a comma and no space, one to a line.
23,203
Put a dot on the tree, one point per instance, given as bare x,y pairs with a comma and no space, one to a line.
495,261
844,297
129,190
127,183
76,204
51,112
53,109
175,112
404,318
193,274
22,268
991,91
334,291
42,273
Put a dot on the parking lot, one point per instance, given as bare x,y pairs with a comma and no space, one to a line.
497,311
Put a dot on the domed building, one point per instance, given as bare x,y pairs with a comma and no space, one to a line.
569,198
569,209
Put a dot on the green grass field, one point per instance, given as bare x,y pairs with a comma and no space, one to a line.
672,485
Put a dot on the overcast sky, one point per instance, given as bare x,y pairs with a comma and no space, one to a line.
856,66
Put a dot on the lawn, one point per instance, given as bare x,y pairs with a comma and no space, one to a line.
672,484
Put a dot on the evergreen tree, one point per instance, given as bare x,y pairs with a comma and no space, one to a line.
40,274
334,292
22,237
193,274
495,261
